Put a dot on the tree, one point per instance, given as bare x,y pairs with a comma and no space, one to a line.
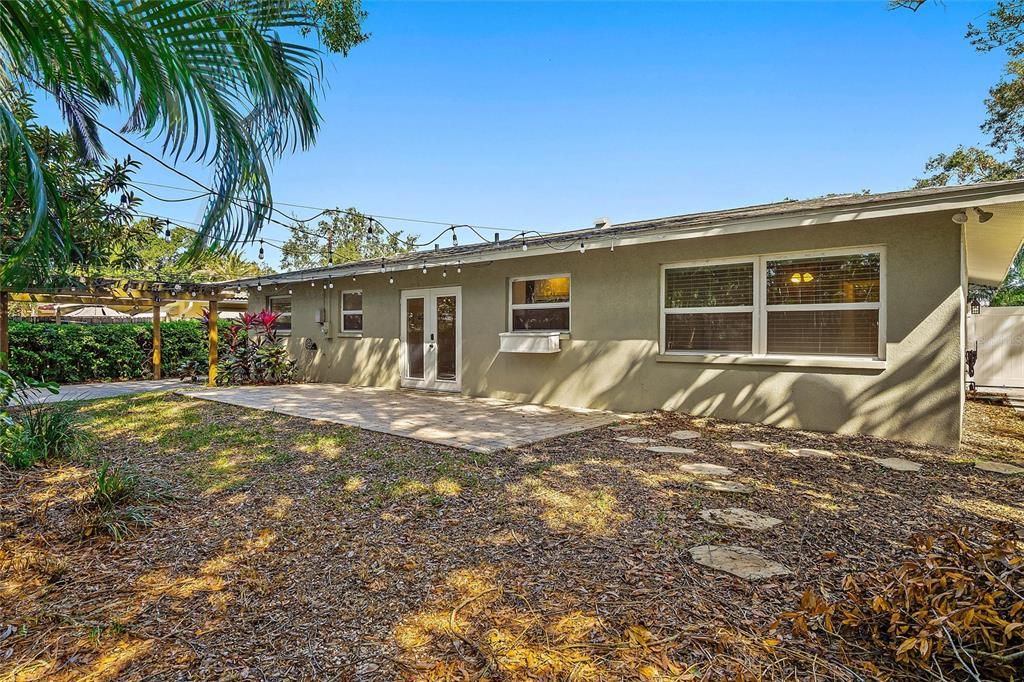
215,80
101,227
342,236
1003,157
165,257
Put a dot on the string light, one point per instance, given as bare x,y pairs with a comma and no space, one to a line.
382,266
391,280
583,247
444,272
455,237
261,254
259,285
424,267
458,267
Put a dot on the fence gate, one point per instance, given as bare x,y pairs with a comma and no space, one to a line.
998,334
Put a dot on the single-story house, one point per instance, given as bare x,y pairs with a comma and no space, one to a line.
842,313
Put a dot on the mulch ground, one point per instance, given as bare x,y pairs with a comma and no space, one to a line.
301,550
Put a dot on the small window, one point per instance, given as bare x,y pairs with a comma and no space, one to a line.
540,304
352,311
709,308
282,305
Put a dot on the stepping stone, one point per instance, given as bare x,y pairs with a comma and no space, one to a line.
726,487
999,468
672,450
750,445
811,452
739,561
684,435
897,464
736,517
624,427
707,469
633,439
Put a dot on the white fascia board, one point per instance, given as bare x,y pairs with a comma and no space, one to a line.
954,201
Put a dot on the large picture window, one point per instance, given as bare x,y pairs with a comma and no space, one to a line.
352,311
539,303
282,305
826,304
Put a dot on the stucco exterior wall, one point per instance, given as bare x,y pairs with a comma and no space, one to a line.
611,359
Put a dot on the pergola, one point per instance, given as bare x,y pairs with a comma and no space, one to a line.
123,292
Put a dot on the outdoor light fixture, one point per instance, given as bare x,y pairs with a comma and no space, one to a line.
583,247
261,250
975,305
289,291
455,237
424,271
382,266
444,272
983,215
391,280
960,217
458,267
259,286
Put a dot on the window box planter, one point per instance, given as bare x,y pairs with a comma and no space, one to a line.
529,342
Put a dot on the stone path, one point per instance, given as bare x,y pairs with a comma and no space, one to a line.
897,464
671,450
811,452
624,427
750,445
633,440
706,468
737,517
725,486
739,561
999,468
477,424
684,435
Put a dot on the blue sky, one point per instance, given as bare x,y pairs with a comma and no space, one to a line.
547,115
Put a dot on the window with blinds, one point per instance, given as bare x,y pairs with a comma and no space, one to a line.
824,305
709,308
828,305
283,306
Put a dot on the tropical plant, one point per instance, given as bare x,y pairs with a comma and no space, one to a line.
253,353
217,81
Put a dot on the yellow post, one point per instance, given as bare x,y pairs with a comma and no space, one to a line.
5,348
213,343
156,341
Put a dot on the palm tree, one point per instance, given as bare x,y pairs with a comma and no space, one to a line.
231,266
215,81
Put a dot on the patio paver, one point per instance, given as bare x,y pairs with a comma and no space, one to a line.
477,424
109,389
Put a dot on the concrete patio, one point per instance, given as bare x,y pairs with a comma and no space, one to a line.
477,424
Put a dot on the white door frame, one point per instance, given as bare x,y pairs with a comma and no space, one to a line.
429,381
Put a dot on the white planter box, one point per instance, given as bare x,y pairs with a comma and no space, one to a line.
529,342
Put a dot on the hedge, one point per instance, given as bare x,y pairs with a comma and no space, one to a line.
73,353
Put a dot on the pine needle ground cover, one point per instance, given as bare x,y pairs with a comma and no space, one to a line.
281,548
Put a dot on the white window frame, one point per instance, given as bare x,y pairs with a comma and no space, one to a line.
291,319
341,307
538,306
759,310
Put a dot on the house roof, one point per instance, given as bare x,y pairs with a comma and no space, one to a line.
991,246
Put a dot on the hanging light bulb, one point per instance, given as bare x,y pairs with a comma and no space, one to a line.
167,231
458,267
259,285
289,291
261,250
330,283
583,247
369,227
312,284
424,268
391,280
455,237
382,266
444,273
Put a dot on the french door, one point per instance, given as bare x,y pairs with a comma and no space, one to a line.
431,354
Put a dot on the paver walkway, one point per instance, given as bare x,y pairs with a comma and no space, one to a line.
110,389
477,424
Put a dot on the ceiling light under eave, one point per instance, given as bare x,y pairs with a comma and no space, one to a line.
960,217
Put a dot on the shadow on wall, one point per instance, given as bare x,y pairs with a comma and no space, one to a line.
363,361
916,398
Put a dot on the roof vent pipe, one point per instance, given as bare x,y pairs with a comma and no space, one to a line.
602,223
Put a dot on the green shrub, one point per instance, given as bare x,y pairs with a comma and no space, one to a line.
73,353
55,430
18,449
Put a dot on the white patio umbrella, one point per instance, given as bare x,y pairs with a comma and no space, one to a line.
95,311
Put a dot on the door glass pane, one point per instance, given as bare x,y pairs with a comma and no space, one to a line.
414,337
446,338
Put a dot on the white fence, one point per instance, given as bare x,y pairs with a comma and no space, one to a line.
998,335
